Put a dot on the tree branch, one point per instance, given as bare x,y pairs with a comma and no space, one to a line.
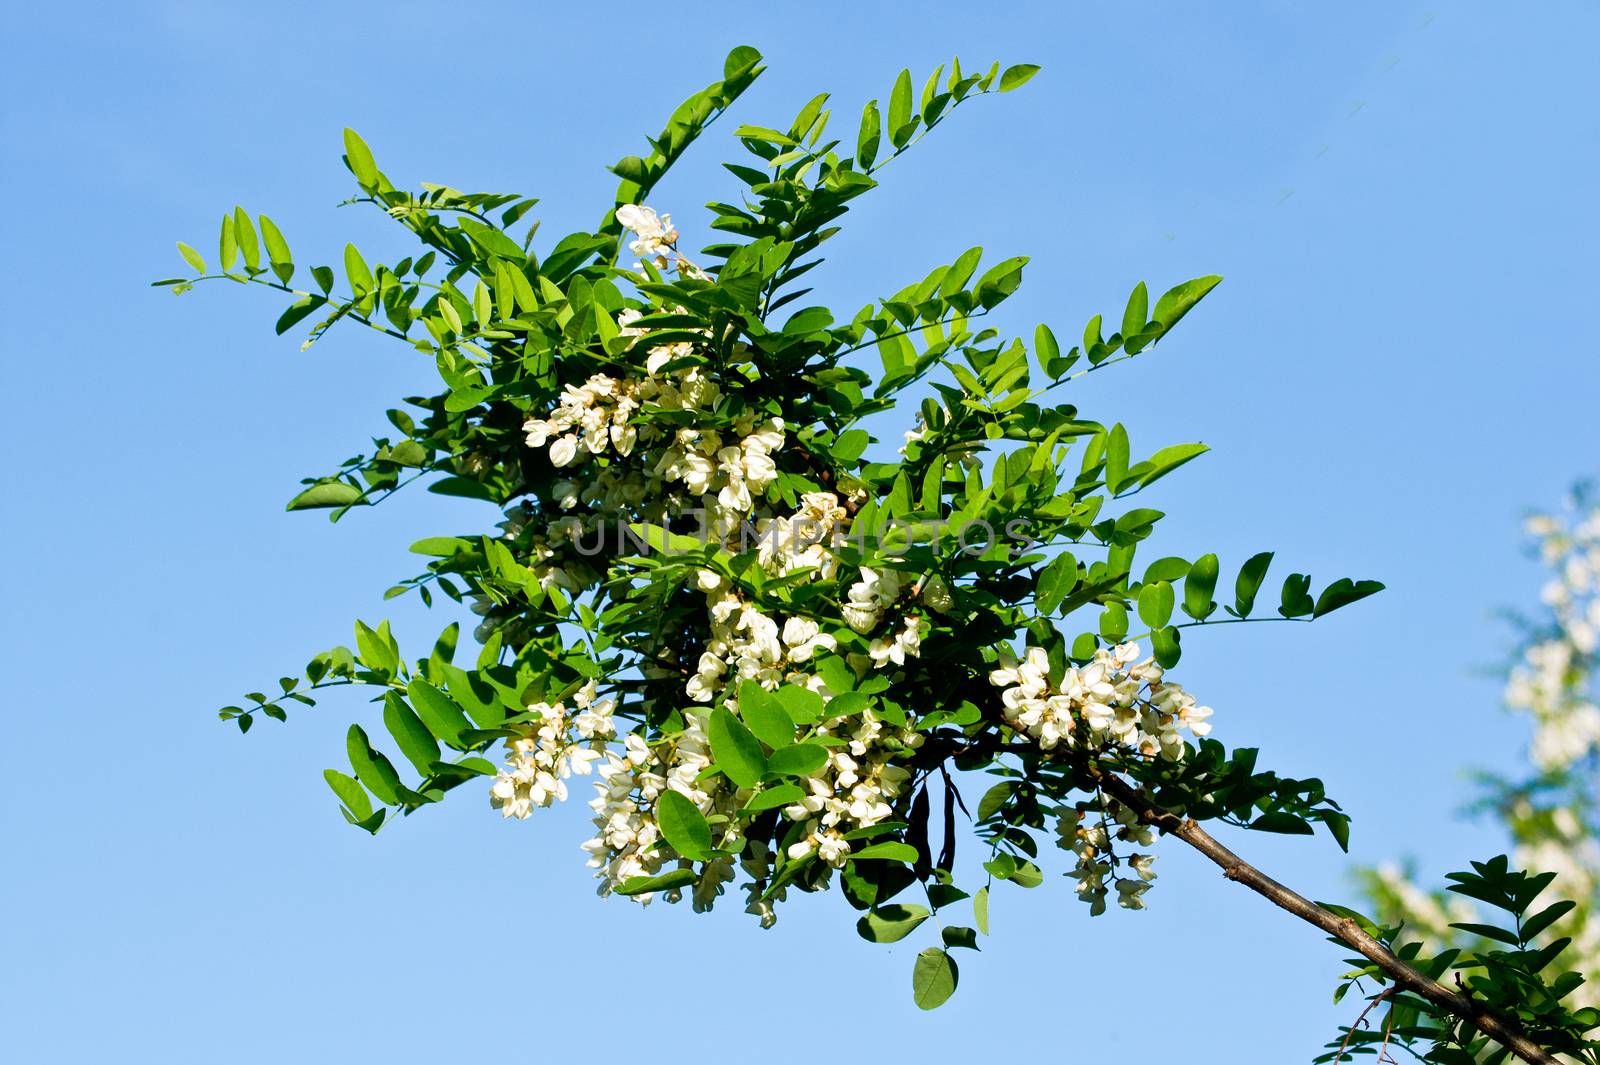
1347,931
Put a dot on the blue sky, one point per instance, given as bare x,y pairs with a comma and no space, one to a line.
1399,362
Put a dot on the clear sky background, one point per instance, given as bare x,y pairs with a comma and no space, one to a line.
1400,195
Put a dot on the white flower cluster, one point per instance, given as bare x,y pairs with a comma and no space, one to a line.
589,419
1554,683
869,597
858,784
540,760
734,470
1556,686
656,239
656,234
723,470
1088,830
800,541
625,843
1114,701
854,790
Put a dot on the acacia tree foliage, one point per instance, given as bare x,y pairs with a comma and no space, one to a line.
1549,811
779,659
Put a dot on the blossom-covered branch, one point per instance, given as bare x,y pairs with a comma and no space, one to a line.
713,592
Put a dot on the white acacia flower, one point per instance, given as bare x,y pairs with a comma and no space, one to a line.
563,451
896,649
655,232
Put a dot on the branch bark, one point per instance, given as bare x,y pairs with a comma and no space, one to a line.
1347,931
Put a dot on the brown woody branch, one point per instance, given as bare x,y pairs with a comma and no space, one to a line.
1405,976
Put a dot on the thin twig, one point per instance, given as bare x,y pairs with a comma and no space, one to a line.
1361,1021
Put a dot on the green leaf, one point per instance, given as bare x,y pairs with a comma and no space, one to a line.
1026,875
413,738
1048,352
355,268
1133,318
1017,76
1198,587
463,487
1339,829
1178,300
740,61
764,716
1167,645
1169,569
959,936
888,851
1489,931
1546,917
1343,592
1000,281
644,885
850,445
374,651
1251,574
439,712
359,156
803,705
808,321
475,696
1113,622
934,978
1296,598
797,760
297,312
1091,336
995,799
1168,459
440,546
900,128
960,272
980,909
227,246
735,748
277,250
867,140
1056,582
775,796
1155,604
372,768
245,233
683,826
350,792
192,257
892,922
1116,458
483,306
327,494
1281,821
